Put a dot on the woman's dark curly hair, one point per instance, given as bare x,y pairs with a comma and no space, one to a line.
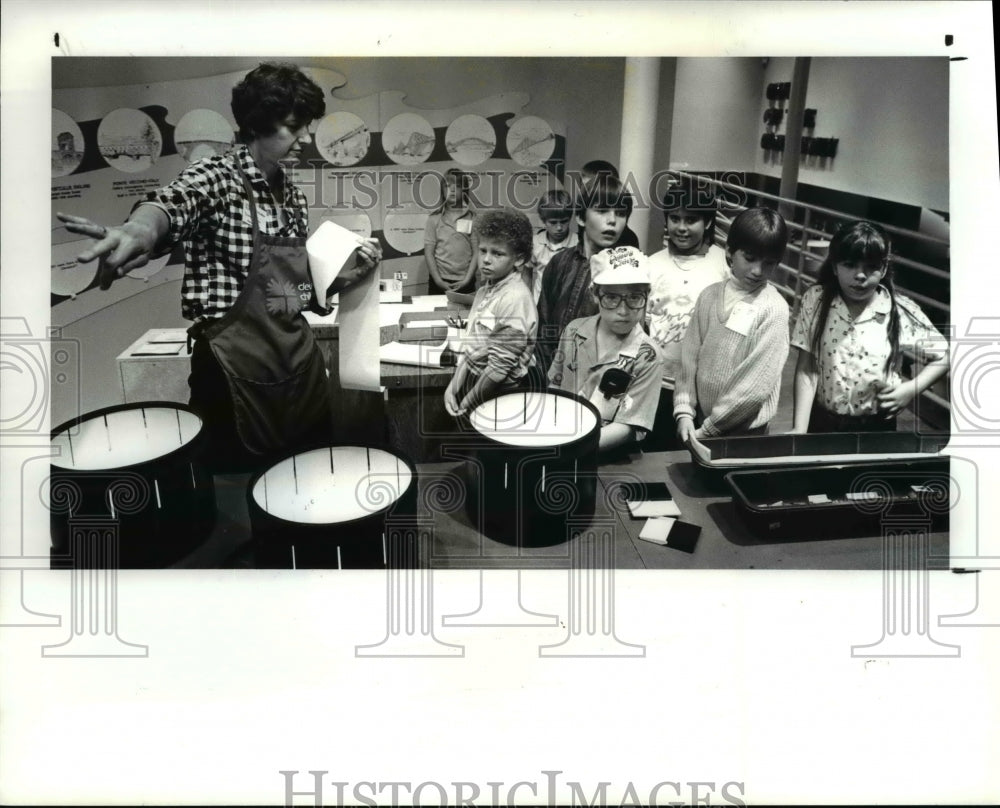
508,226
271,93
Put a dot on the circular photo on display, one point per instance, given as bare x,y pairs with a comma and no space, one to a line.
67,144
530,141
69,277
343,138
408,139
203,133
470,140
357,222
405,231
129,140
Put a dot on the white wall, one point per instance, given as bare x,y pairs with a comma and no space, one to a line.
716,110
891,116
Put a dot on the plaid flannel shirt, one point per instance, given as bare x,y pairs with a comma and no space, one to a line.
210,214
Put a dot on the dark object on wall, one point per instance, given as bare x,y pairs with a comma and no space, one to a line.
809,119
779,143
773,116
805,145
779,91
131,478
823,147
767,141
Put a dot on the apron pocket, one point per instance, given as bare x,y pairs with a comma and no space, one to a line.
284,416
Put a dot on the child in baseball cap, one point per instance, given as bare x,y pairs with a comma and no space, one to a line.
608,358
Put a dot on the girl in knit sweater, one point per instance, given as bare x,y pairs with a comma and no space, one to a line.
736,345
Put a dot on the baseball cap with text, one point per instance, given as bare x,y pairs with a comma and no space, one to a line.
618,266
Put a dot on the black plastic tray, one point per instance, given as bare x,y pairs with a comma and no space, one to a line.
912,495
816,449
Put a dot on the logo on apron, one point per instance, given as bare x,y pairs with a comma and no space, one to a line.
283,298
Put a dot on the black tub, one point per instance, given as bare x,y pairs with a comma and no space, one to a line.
531,466
128,488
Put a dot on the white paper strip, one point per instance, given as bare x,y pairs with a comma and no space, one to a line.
360,335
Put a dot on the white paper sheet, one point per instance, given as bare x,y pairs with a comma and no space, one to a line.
330,249
170,335
430,302
648,509
657,530
413,353
418,324
358,316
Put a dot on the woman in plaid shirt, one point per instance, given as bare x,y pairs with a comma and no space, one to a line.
257,378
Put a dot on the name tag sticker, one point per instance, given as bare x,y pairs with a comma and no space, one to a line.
741,318
464,226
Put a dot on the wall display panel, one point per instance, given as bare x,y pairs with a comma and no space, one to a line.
374,166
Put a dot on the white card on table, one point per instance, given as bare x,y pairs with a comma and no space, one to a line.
656,530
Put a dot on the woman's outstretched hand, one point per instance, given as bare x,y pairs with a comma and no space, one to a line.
118,249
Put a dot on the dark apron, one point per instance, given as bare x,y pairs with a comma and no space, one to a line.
266,350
